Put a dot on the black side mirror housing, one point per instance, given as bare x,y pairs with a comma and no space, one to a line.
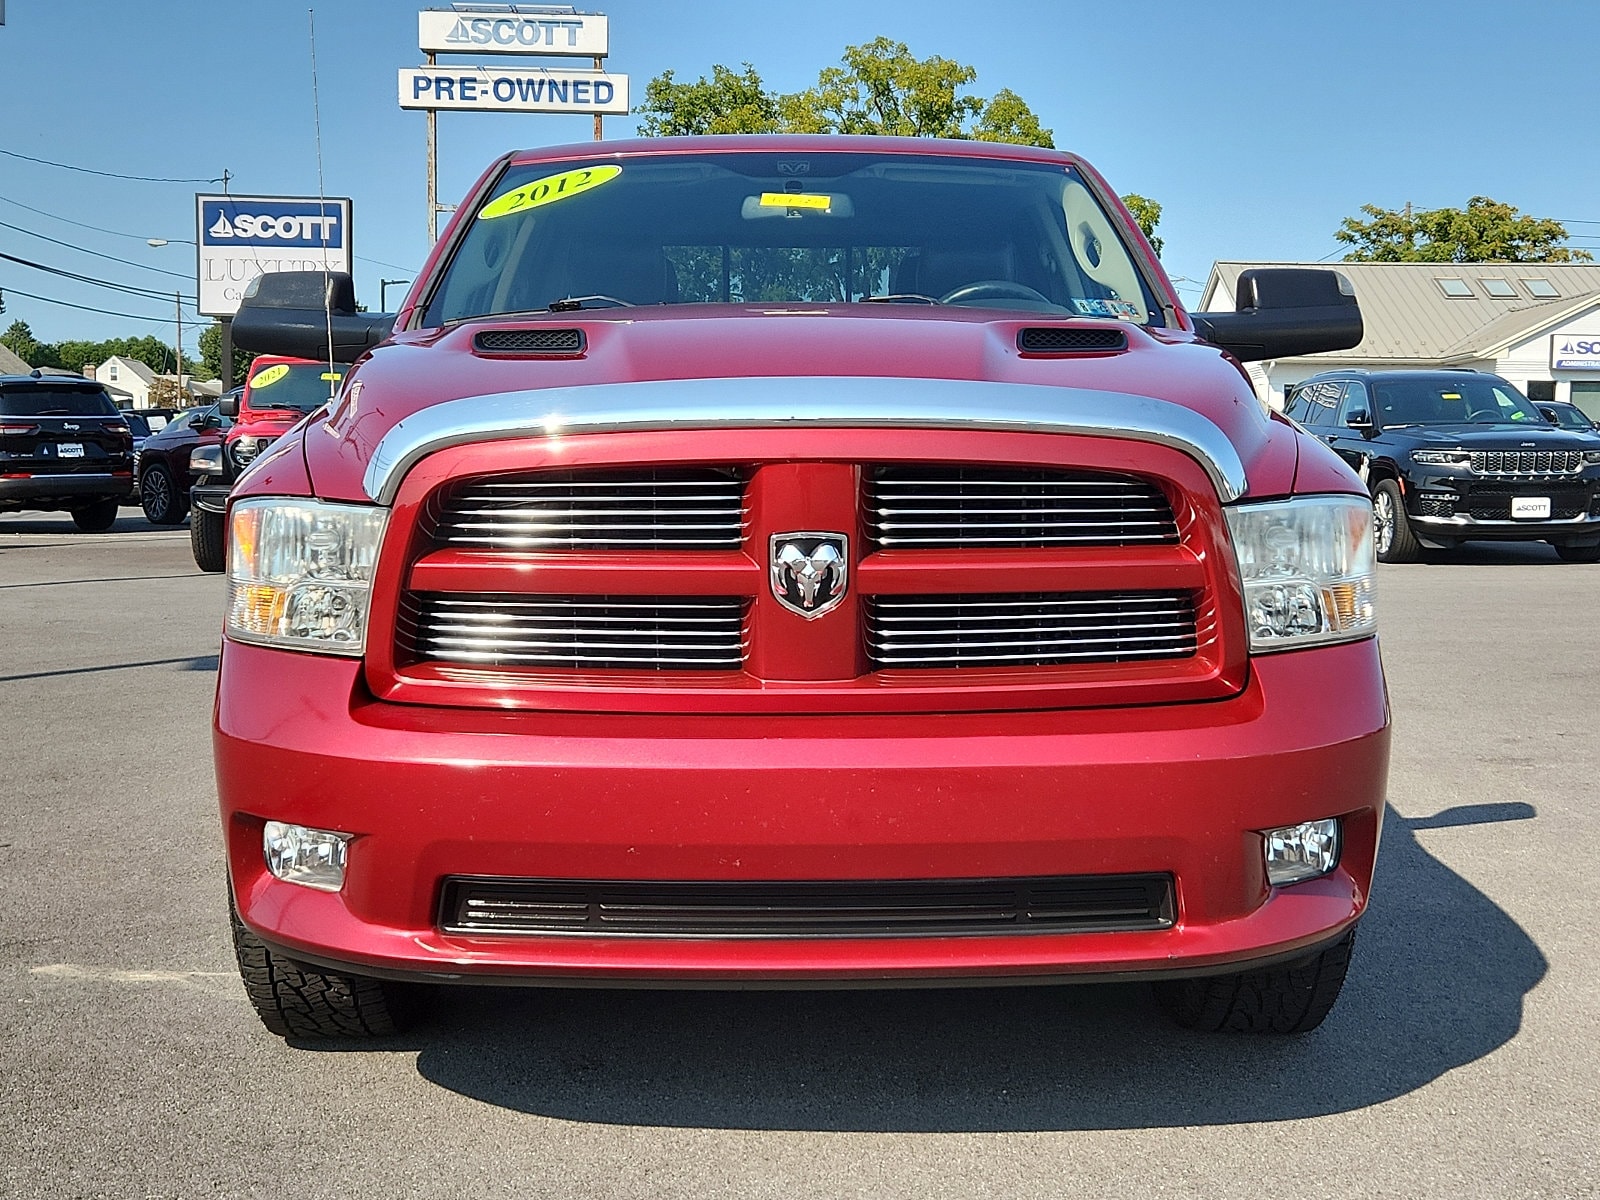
227,406
1359,419
1285,312
299,313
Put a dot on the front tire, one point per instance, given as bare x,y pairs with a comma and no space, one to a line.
1578,554
159,497
96,518
1291,997
297,1001
1391,528
207,539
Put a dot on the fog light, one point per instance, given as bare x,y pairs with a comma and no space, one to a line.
313,858
1301,852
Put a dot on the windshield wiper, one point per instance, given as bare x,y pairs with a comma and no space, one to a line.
574,303
901,298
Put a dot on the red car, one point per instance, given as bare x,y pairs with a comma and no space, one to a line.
798,561
277,394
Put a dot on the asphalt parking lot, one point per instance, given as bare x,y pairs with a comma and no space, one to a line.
1463,1059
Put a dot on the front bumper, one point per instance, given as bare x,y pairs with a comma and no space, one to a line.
210,497
430,793
1583,529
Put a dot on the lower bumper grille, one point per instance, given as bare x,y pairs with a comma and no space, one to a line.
887,908
1493,502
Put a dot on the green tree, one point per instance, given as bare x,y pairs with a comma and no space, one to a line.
1147,214
728,102
211,356
1485,231
18,338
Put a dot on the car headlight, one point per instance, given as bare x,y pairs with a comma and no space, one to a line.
1441,458
300,573
1591,458
244,449
1308,570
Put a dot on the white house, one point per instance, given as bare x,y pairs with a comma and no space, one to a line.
1535,324
125,374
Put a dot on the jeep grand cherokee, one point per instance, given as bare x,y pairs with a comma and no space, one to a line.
761,561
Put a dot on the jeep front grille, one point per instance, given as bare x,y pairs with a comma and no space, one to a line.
695,508
972,507
638,633
1029,630
1526,462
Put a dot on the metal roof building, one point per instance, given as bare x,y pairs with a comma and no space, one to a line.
1525,321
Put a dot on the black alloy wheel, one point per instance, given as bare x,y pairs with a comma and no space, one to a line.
159,497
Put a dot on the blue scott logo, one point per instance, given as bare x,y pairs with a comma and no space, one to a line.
515,31
278,224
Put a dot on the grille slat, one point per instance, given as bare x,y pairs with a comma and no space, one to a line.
583,632
1038,629
848,908
693,508
947,508
1526,462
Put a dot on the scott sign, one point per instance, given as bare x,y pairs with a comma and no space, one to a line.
1575,352
241,237
578,34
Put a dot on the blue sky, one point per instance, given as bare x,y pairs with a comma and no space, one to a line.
1258,126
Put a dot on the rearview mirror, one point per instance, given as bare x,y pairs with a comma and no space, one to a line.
1284,312
301,314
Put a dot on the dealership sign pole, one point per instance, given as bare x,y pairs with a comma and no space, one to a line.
508,29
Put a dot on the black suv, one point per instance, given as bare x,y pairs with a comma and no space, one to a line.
63,445
1456,455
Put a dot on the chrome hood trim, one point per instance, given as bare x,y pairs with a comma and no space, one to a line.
777,402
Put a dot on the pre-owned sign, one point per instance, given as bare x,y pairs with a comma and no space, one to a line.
1575,352
490,89
241,237
582,35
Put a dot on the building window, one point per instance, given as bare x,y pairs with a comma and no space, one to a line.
1456,289
1586,395
113,372
1500,289
1542,390
1543,289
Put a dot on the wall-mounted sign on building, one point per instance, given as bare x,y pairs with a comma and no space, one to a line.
579,35
1575,352
497,89
241,237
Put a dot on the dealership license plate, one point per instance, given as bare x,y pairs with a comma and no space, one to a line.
1530,508
69,450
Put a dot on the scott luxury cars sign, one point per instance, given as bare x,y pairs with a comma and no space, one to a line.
241,237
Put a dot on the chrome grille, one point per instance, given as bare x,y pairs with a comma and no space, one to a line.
1029,630
972,507
639,633
825,908
1526,462
692,508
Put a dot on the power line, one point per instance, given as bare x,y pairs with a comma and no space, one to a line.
108,257
11,291
138,237
107,174
147,293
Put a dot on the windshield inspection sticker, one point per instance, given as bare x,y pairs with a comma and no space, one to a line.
548,190
1106,308
795,200
270,376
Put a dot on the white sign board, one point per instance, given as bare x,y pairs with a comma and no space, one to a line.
583,35
1575,352
495,89
241,237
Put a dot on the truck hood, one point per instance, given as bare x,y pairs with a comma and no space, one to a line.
418,370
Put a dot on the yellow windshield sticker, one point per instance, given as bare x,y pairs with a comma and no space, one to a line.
548,190
270,376
331,377
795,200
1450,395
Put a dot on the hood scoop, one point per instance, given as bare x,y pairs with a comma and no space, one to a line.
1059,339
536,342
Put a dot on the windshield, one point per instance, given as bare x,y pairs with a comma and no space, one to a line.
1568,417
55,400
299,387
1452,400
768,228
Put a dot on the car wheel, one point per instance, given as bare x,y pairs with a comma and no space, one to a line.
1391,528
294,1000
159,497
206,539
1578,554
1292,997
96,518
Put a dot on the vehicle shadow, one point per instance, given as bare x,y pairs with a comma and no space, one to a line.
1438,981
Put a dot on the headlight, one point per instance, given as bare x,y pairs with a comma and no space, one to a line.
1591,458
1308,569
244,449
300,573
1441,458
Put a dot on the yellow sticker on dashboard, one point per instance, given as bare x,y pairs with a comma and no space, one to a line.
1449,395
548,190
795,200
270,376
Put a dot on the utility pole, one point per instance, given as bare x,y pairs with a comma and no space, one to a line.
383,291
178,350
599,65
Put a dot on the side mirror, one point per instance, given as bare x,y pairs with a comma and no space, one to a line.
298,314
227,406
1359,419
1283,312
206,460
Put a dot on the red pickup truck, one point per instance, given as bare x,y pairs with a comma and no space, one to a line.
798,561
